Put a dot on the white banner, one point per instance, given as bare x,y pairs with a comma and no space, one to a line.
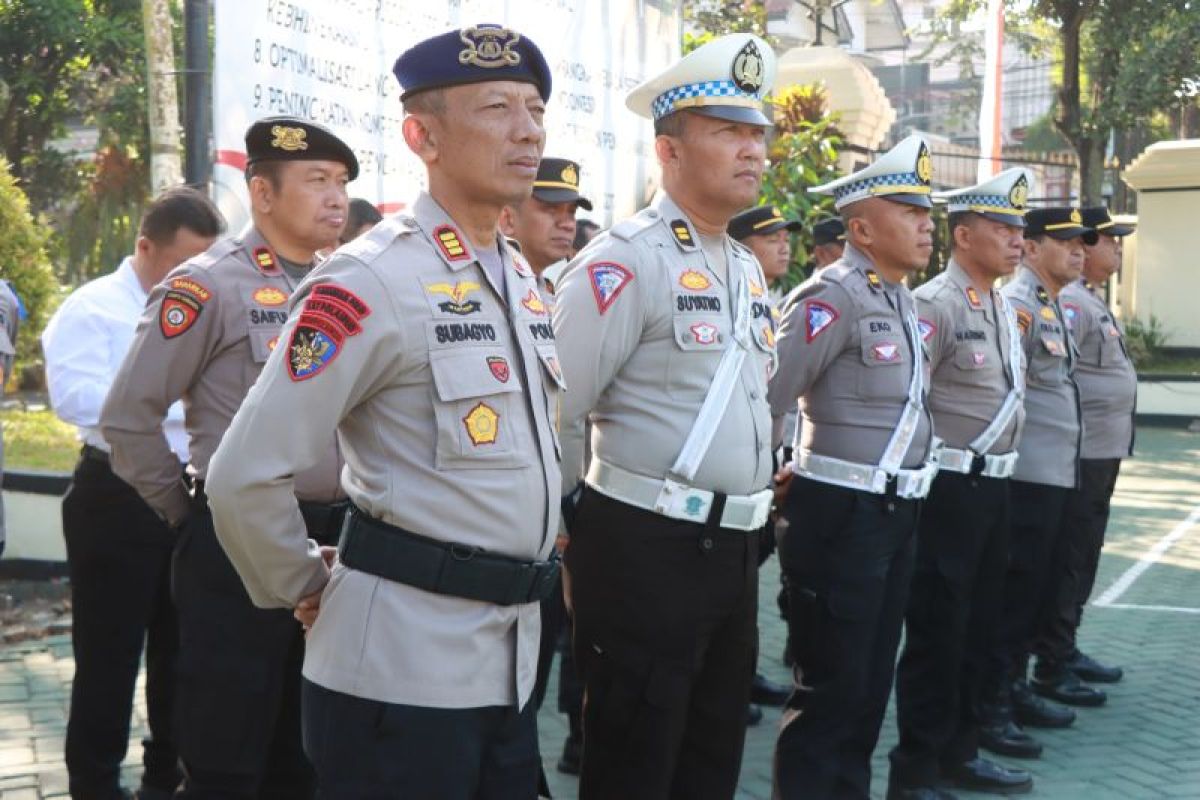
330,61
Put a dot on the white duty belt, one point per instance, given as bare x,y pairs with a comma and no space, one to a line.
674,496
909,483
994,466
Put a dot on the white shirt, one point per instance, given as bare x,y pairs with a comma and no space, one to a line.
85,342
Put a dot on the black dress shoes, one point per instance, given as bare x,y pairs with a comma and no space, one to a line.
1092,671
1065,687
768,693
1007,739
981,775
1034,712
920,793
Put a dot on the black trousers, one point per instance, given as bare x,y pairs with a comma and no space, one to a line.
665,641
1085,520
1035,547
953,608
556,626
848,557
237,715
119,559
368,750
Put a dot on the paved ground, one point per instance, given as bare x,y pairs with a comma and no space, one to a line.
1146,616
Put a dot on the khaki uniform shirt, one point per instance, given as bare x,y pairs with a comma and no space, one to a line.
1104,373
642,319
204,337
845,357
444,396
1049,445
968,336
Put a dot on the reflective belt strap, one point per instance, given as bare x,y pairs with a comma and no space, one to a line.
1016,394
712,410
906,429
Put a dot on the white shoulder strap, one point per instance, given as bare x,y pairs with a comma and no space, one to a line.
1016,393
910,418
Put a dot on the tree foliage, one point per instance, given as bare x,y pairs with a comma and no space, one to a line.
704,20
25,264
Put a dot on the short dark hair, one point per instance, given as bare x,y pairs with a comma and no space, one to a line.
1037,237
955,219
671,125
271,171
361,212
430,101
584,230
180,207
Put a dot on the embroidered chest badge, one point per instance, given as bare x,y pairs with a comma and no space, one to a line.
482,424
694,281
886,351
704,333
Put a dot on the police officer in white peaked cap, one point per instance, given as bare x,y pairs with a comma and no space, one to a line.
666,337
976,396
851,356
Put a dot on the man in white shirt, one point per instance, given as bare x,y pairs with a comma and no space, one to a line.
118,549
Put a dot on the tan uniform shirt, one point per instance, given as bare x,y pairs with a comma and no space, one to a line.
642,318
845,357
1104,373
967,335
205,335
1049,445
444,396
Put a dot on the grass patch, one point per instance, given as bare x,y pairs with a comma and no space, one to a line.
1169,365
38,440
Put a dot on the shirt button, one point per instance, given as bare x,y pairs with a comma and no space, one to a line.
753,394
706,543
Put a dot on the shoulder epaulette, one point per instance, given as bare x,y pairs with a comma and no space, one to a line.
629,229
370,245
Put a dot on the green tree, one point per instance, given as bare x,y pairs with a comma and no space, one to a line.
705,20
24,264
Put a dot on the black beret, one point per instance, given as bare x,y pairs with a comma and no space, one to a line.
291,139
472,55
1098,218
1059,222
760,220
558,182
828,231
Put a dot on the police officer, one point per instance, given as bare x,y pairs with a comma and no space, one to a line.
118,549
426,346
851,354
1046,472
544,224
1107,384
207,331
666,339
976,397
829,241
361,216
9,323
769,236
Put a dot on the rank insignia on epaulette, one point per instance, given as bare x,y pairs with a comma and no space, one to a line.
873,279
683,234
265,259
483,424
450,243
973,297
1042,295
1047,313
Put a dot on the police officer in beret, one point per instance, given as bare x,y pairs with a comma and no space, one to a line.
976,396
206,333
426,346
850,353
544,225
1046,472
1107,384
667,339
829,241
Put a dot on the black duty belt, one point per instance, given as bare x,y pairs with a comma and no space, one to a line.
377,548
322,521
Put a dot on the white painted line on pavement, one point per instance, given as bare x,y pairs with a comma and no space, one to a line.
1136,607
1122,584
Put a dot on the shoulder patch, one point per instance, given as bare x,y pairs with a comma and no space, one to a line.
181,306
608,279
330,314
927,329
1024,320
629,229
817,317
1071,313
343,295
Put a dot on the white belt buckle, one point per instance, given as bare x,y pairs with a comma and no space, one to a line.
680,501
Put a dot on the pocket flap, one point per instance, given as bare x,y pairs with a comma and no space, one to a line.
548,355
262,342
472,372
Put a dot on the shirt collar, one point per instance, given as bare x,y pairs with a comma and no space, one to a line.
127,276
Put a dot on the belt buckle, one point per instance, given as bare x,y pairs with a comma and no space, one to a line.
680,501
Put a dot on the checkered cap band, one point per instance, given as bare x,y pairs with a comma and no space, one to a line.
997,202
857,190
665,103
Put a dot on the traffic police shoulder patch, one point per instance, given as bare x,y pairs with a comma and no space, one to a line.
817,317
181,306
927,329
608,279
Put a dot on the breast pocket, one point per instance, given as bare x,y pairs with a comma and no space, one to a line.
554,384
884,353
699,342
476,397
973,356
1112,347
1049,363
